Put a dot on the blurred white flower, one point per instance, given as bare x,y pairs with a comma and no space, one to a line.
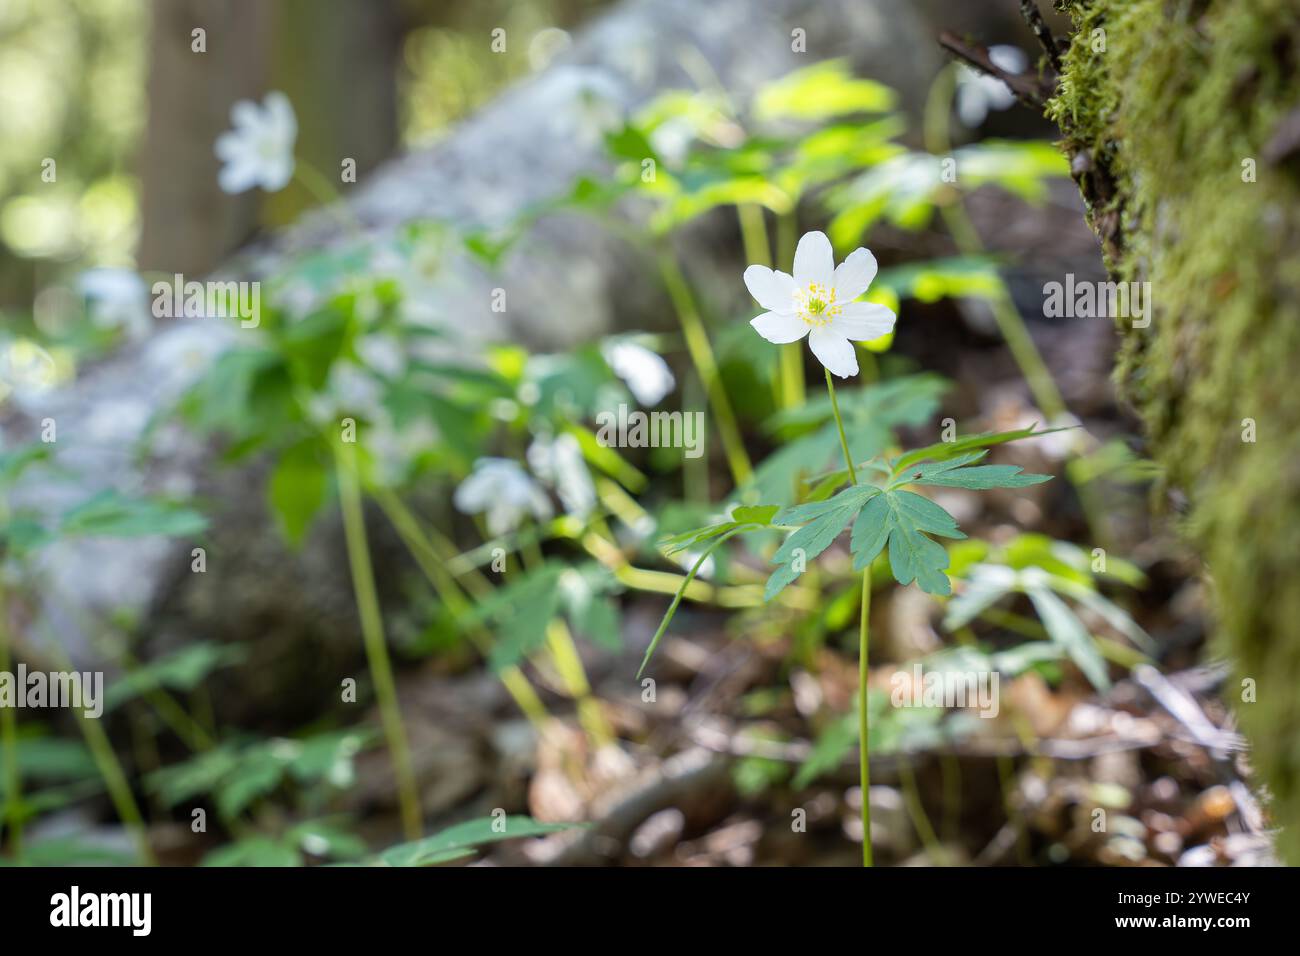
686,560
502,490
116,299
818,302
646,375
558,462
546,45
349,391
180,355
395,448
977,92
259,150
588,104
26,369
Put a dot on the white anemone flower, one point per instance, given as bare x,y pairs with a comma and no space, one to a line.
558,462
259,150
645,373
977,92
116,299
502,490
818,301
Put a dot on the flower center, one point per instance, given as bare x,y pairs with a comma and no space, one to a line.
816,304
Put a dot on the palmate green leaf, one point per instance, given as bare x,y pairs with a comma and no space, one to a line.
520,612
820,91
182,670
825,520
957,473
941,451
297,489
112,515
460,840
1066,630
903,519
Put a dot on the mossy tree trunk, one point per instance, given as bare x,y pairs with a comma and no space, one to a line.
1182,120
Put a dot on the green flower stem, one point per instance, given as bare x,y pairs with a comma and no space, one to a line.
457,601
372,633
753,233
9,737
916,811
327,194
568,664
110,769
864,724
863,646
792,379
706,366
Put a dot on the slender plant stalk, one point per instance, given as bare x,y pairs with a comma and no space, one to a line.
792,380
119,790
165,706
753,233
863,645
706,366
451,594
9,737
950,768
372,633
788,384
568,665
110,769
916,811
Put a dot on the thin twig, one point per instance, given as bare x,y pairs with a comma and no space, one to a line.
1034,17
1027,87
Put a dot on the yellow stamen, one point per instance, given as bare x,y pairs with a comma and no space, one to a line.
817,306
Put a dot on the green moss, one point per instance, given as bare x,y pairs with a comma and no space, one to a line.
1185,91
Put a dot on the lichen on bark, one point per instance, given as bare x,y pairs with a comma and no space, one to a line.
1181,121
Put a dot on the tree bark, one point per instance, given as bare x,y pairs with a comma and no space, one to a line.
335,59
1183,127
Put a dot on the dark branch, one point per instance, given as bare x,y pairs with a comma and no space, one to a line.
1027,87
1034,17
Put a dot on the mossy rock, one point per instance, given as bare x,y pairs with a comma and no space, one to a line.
1182,118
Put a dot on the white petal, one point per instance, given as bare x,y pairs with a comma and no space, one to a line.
779,327
245,115
774,291
834,351
238,176
276,173
503,517
1009,58
863,321
474,494
280,116
814,261
646,375
231,146
854,275
540,504
972,106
